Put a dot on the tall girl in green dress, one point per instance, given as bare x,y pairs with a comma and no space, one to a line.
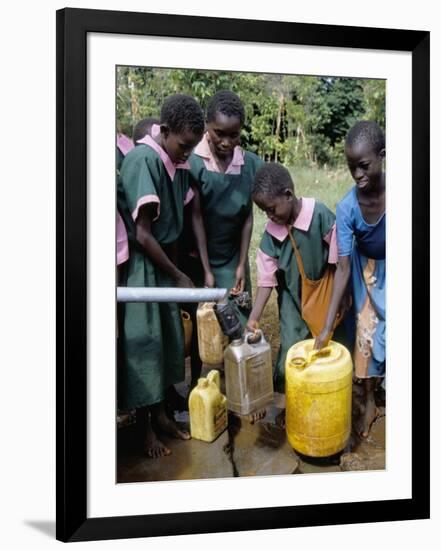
224,174
153,186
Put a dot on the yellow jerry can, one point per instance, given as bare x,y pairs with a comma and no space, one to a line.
188,330
208,408
318,398
211,339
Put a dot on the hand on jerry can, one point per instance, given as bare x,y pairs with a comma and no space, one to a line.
322,339
252,325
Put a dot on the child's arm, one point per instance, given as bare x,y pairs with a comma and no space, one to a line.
152,248
201,239
262,296
245,239
341,280
266,279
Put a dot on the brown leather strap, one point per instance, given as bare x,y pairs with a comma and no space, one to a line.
297,253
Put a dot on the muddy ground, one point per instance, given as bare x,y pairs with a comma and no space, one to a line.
246,450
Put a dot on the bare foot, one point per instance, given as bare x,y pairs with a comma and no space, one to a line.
280,420
370,414
153,447
167,425
256,416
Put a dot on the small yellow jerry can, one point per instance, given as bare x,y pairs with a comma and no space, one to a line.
208,408
318,398
211,339
188,330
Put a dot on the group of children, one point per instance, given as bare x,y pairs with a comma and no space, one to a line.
185,218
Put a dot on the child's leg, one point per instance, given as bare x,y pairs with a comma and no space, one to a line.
163,423
153,447
370,411
175,401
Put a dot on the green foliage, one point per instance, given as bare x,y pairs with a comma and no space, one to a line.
375,100
296,120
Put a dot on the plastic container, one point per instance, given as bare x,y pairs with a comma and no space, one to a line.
318,398
211,340
208,409
188,330
248,375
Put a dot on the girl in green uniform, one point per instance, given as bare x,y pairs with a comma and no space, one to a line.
224,174
154,185
313,227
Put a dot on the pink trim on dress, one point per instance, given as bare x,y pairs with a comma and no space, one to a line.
146,199
331,239
168,163
203,150
302,222
122,243
124,143
189,196
266,269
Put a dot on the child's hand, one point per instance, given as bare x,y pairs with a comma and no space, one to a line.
209,280
252,325
322,339
182,281
240,280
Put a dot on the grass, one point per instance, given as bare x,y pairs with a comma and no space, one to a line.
325,185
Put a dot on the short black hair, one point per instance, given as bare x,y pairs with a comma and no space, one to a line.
227,103
182,112
366,131
143,127
272,179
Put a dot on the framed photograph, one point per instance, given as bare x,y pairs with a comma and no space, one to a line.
301,87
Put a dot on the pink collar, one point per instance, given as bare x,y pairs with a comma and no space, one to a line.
170,166
203,150
124,143
302,222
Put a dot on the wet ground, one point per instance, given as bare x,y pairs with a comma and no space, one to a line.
261,449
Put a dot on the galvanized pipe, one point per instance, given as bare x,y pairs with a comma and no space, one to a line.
166,294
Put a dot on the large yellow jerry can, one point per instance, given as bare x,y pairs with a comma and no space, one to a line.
318,398
208,408
211,339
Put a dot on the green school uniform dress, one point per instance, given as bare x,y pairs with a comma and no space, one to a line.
309,231
226,204
152,334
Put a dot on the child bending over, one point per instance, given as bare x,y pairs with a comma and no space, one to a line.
154,185
312,225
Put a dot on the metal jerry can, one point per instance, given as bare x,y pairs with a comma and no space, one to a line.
318,398
208,408
248,374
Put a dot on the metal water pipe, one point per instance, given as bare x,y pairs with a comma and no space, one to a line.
169,294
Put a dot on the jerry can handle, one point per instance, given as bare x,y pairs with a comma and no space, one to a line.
253,337
301,362
317,353
214,376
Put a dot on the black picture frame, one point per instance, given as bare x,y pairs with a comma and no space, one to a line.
73,25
